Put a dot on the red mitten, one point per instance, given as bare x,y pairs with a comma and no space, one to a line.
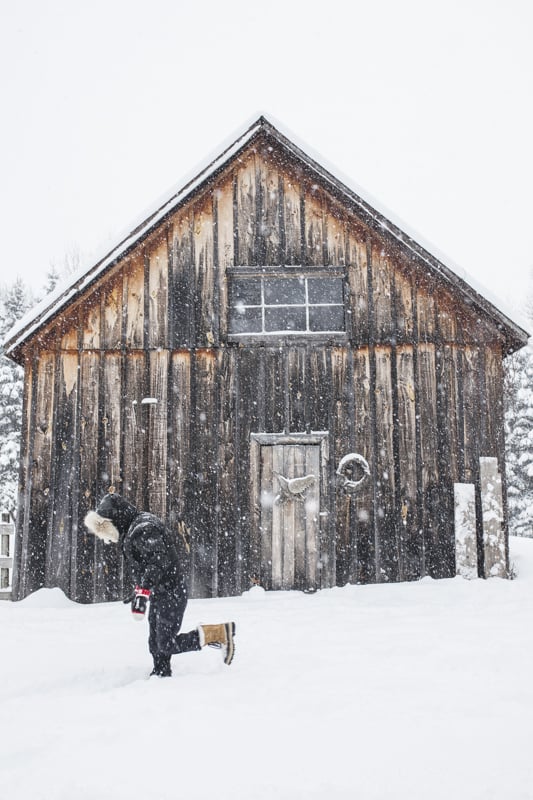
139,604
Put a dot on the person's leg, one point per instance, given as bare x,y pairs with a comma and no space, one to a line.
166,616
161,660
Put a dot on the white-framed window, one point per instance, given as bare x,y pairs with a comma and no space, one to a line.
5,516
286,304
4,578
4,545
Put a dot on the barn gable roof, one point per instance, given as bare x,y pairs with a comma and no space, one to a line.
514,336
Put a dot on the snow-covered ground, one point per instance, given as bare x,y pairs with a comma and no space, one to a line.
407,691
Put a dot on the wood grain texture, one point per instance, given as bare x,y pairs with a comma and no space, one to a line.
413,384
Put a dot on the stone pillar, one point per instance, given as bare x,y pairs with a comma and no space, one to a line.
465,530
492,516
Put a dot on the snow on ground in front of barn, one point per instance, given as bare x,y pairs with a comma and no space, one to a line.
405,691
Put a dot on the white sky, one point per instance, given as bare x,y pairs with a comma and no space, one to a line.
426,105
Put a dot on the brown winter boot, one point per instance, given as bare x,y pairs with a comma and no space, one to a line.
219,636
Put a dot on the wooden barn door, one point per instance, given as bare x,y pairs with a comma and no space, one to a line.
289,513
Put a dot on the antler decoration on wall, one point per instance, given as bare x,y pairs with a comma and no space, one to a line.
293,488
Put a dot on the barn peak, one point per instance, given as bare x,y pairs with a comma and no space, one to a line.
314,168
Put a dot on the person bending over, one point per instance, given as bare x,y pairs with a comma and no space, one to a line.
149,549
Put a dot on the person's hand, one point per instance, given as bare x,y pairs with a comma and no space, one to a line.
139,603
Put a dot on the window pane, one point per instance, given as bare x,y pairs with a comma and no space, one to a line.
285,319
325,290
4,545
326,318
245,292
4,578
245,320
281,291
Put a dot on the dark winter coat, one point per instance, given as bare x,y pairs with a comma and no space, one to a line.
148,546
151,554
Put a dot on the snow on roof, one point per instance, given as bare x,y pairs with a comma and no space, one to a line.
371,210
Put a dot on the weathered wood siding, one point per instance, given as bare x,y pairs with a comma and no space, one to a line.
414,386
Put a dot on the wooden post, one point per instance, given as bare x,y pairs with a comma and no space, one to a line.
492,516
465,530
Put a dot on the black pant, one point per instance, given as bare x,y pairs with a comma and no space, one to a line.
165,618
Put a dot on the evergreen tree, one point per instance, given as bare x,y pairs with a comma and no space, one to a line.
519,441
52,279
14,302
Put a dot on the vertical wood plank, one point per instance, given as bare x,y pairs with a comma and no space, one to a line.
446,317
134,436
180,452
33,559
91,322
108,571
158,294
204,273
203,422
428,448
316,243
288,520
89,494
277,519
403,302
112,296
292,222
425,312
256,502
316,400
409,539
297,388
228,471
381,295
267,181
248,407
334,237
312,516
341,429
364,569
267,514
182,301
384,458
69,337
157,433
224,201
274,390
133,302
180,495
358,289
245,214
58,542
473,433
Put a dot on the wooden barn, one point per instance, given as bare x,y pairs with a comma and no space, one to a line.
242,359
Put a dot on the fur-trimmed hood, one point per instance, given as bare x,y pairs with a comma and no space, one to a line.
102,528
112,518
